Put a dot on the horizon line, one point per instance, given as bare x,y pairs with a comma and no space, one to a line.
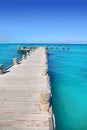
42,43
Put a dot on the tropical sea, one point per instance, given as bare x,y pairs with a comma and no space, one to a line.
67,67
68,73
7,53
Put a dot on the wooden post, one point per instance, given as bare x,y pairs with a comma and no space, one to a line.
15,61
27,53
24,56
44,101
1,69
30,51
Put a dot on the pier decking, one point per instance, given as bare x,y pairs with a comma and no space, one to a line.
20,89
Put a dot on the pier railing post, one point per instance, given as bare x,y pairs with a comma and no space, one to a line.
27,53
30,52
24,56
1,69
15,61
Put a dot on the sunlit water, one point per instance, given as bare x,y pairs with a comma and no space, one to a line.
68,72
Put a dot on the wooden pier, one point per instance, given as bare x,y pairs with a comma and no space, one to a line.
24,94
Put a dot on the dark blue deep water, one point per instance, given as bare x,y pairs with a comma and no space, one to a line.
68,73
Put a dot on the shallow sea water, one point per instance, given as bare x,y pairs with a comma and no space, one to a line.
68,73
7,53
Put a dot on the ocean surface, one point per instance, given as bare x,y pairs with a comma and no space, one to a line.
68,73
7,53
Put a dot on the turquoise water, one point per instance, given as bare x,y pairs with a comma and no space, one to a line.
68,72
7,53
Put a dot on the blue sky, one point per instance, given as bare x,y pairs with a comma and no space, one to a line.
43,21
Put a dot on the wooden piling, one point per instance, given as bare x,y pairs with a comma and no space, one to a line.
27,53
15,61
24,56
1,69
